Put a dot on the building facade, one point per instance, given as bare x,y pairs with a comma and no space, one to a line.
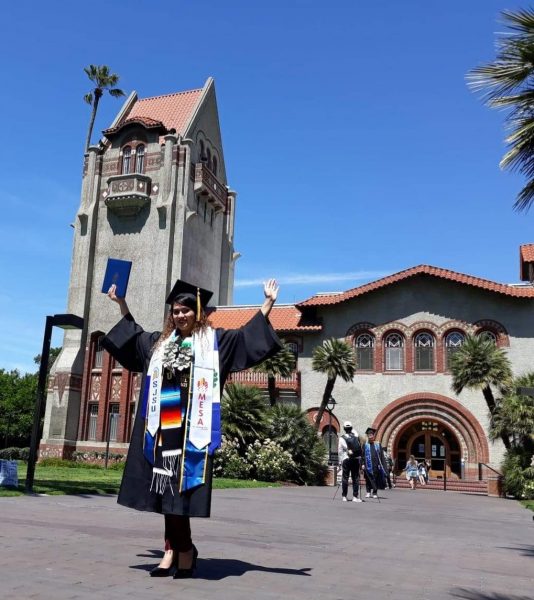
154,192
404,328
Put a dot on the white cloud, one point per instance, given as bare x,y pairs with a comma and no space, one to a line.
308,278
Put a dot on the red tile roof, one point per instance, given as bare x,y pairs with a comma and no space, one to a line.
526,255
173,110
146,121
485,284
283,318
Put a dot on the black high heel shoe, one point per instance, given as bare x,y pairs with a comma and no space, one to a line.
187,573
164,572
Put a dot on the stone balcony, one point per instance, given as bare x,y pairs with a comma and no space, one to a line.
206,184
126,195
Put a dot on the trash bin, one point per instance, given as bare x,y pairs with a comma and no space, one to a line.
9,473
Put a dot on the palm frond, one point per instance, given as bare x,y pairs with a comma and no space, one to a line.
335,358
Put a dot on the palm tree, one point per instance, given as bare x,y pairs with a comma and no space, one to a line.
478,365
103,80
335,358
243,414
508,82
514,415
281,364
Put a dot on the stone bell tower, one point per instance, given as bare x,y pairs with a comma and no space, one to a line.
154,192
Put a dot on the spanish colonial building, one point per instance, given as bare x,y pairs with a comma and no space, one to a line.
404,328
154,192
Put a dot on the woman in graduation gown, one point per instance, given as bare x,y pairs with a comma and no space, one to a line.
177,426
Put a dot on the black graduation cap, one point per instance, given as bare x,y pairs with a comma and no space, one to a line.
370,430
189,295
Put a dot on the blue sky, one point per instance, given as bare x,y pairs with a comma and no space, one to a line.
355,146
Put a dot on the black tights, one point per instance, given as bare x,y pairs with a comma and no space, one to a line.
178,533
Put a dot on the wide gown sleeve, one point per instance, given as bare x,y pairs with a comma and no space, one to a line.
129,344
243,348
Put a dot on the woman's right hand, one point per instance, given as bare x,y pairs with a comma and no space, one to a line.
112,295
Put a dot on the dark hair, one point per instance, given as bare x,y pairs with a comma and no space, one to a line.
169,327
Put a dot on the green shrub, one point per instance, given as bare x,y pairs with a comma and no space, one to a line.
15,454
289,427
518,472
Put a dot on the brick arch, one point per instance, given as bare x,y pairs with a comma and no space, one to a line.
496,327
449,326
393,327
406,410
423,326
358,327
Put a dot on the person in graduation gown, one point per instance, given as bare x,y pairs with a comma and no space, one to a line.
374,465
177,425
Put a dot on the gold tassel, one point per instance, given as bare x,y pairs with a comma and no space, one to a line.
199,307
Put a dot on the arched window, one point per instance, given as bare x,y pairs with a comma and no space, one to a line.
208,154
140,159
394,352
364,344
424,352
489,335
126,160
214,165
453,342
202,154
99,353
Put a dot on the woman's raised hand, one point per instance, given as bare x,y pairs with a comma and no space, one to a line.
270,289
112,295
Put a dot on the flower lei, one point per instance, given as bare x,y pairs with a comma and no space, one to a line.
177,353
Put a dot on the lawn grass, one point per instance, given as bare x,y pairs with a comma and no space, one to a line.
58,480
528,504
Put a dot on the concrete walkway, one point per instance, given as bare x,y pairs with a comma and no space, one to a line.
274,543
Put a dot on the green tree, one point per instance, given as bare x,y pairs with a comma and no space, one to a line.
479,365
508,83
243,414
336,359
103,80
17,401
281,364
514,415
289,426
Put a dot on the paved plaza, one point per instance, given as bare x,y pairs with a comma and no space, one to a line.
274,543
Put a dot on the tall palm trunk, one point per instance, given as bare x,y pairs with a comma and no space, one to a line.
271,386
92,121
326,397
492,405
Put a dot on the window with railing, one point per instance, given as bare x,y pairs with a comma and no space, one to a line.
126,160
140,159
92,421
394,352
113,422
453,342
424,352
364,345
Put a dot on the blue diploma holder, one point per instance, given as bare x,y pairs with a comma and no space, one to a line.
118,273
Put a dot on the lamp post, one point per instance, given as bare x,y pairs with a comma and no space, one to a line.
330,405
64,321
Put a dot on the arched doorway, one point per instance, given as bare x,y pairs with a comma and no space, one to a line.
433,442
415,423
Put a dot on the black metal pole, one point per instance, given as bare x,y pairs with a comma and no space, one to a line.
445,473
39,405
107,441
330,436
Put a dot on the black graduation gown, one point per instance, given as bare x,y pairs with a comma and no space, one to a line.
132,347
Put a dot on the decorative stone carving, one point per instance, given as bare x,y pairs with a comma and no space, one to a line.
126,195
